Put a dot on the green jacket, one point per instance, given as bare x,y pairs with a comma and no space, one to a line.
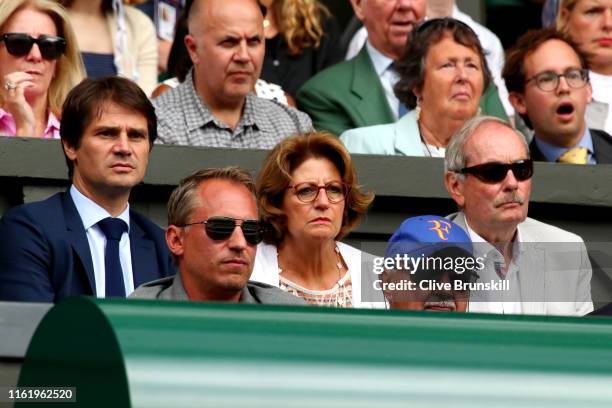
349,95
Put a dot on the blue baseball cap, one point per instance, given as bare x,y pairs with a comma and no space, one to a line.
427,234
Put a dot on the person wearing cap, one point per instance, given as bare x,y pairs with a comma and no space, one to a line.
488,174
433,266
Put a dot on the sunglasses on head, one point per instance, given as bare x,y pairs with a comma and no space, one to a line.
20,44
494,172
221,228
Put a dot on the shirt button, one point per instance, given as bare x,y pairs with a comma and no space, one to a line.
276,63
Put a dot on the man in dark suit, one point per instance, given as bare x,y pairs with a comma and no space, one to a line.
87,240
548,80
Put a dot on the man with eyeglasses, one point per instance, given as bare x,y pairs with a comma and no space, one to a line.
488,174
547,77
213,232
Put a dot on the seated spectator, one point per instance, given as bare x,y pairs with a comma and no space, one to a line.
213,232
442,77
215,105
549,86
589,24
491,44
488,175
359,92
87,240
310,199
115,39
435,285
39,65
180,64
301,40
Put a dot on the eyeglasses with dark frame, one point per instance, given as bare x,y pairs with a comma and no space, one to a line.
548,81
308,191
20,44
221,228
494,172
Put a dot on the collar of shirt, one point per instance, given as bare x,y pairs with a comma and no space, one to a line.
91,213
552,152
483,248
380,61
8,126
251,114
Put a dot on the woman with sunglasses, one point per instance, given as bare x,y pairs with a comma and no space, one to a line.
309,199
115,39
39,65
442,76
589,23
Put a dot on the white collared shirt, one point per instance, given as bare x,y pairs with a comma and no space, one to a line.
504,301
388,77
91,213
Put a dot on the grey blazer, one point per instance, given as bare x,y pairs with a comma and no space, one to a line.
554,270
171,288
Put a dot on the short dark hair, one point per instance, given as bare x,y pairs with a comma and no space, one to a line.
514,69
87,99
411,65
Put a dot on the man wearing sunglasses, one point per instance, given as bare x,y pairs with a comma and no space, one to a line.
549,86
488,174
87,240
213,232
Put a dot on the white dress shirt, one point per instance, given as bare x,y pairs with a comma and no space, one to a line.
501,301
388,76
91,213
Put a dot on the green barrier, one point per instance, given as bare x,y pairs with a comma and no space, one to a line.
166,354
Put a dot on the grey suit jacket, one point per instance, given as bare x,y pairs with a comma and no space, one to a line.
171,288
554,270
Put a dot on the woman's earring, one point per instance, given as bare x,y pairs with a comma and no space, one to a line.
417,110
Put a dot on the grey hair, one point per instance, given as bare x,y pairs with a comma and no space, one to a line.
455,157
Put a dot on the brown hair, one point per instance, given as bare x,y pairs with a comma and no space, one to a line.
275,177
411,65
183,199
514,68
299,22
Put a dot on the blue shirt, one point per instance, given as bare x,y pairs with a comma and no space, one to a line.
552,152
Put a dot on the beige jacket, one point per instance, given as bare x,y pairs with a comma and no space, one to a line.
136,58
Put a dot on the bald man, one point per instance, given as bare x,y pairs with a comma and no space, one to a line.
215,105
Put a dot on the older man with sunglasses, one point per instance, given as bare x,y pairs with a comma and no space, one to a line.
213,232
488,173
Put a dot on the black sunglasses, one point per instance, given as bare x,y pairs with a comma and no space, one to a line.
221,228
494,172
20,44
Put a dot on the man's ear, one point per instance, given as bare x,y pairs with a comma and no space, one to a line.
358,9
191,46
174,239
517,101
69,150
455,187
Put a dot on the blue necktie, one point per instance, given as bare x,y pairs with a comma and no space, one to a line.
113,228
402,110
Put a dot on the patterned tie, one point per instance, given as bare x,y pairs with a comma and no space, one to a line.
113,228
576,155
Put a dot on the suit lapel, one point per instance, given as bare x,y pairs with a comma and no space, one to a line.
144,259
535,152
372,106
602,144
78,239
